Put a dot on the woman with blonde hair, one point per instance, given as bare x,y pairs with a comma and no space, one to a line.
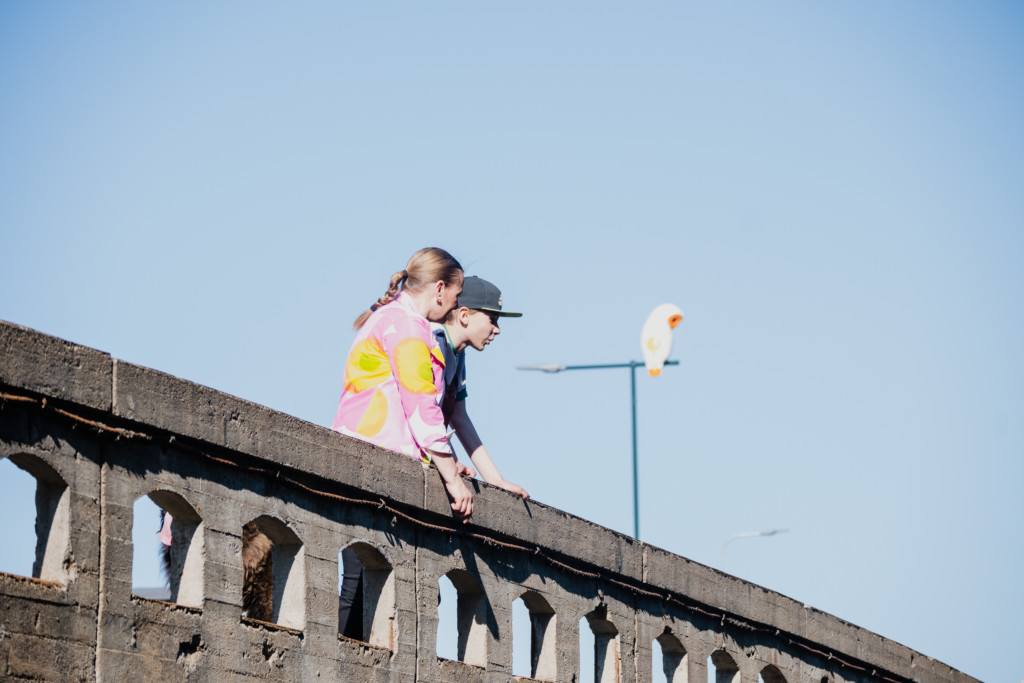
394,381
394,372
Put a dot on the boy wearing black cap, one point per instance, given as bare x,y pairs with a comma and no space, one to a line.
474,322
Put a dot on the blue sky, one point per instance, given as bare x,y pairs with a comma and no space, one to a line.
830,191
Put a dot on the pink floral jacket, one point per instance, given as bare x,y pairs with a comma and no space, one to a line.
394,379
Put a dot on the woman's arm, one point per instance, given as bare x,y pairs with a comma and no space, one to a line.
462,497
478,454
418,373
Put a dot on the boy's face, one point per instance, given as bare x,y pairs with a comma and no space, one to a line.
481,329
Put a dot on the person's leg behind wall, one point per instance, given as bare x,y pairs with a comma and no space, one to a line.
350,599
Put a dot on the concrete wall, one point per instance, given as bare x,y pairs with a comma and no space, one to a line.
97,433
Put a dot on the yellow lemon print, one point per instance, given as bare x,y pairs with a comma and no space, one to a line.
367,366
375,416
413,366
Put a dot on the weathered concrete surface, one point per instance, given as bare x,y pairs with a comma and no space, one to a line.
54,367
110,432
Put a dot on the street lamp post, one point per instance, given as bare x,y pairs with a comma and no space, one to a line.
632,365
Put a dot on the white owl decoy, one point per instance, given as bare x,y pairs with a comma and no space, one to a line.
656,337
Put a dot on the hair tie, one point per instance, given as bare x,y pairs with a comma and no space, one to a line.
405,274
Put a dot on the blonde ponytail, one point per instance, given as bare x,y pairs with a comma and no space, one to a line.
426,266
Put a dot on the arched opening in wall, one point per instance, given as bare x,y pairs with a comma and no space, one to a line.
771,674
520,636
274,573
605,650
17,537
447,620
470,618
722,668
168,550
533,637
148,580
668,659
50,549
587,642
366,596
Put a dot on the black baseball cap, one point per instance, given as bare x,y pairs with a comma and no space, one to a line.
481,295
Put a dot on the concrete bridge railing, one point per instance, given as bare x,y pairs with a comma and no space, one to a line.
96,434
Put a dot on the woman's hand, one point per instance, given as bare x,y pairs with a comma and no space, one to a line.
462,499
